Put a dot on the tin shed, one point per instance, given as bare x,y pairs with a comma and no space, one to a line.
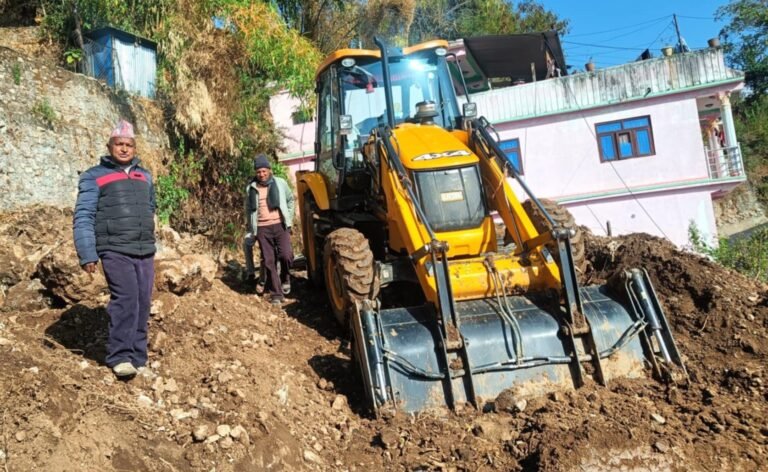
123,60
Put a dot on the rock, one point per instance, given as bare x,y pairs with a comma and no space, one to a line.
389,439
317,447
164,304
237,432
658,418
212,438
187,274
170,386
28,295
339,402
310,456
556,397
200,433
282,394
61,273
223,430
178,414
5,341
157,340
83,364
144,401
20,436
225,377
661,446
509,400
226,443
3,456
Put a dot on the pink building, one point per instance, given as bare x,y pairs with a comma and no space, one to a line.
640,147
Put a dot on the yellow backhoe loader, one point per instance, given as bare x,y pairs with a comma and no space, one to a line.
398,224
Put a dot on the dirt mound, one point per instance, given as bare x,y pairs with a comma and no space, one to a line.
235,384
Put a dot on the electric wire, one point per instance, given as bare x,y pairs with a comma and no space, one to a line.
621,28
710,18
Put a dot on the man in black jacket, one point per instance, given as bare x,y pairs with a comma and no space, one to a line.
114,222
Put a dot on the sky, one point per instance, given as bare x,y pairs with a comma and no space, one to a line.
614,32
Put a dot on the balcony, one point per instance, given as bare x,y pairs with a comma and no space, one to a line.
725,163
623,83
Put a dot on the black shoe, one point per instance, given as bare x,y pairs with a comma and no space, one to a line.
277,301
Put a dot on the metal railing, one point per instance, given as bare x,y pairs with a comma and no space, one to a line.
725,163
618,84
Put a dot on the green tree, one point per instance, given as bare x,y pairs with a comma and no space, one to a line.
746,41
452,19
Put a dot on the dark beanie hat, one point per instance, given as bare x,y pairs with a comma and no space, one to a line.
261,162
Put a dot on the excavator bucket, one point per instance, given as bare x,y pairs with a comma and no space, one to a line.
519,344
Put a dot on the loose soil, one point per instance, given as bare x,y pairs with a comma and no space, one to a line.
236,384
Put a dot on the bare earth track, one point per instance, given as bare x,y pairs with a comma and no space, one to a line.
238,385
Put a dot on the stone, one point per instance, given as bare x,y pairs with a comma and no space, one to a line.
200,433
21,436
27,295
310,456
389,439
144,401
226,443
212,438
194,272
339,402
225,377
178,414
61,273
661,446
658,418
237,432
170,386
511,401
223,430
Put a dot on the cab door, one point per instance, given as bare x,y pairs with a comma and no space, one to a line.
328,139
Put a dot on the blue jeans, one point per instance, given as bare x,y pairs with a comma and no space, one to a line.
130,280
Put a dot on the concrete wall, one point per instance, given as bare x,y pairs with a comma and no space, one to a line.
664,214
298,139
40,159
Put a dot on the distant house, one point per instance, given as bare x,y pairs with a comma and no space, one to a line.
641,147
123,60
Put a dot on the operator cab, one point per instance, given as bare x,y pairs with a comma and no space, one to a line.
352,102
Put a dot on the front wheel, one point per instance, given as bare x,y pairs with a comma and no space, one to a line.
348,269
562,217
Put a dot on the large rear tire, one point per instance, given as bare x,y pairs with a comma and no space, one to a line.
348,269
311,249
563,217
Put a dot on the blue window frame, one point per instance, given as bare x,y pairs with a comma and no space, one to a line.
625,139
511,148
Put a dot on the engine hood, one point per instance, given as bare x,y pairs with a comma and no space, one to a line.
430,147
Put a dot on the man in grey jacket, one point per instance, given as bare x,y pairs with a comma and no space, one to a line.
269,207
